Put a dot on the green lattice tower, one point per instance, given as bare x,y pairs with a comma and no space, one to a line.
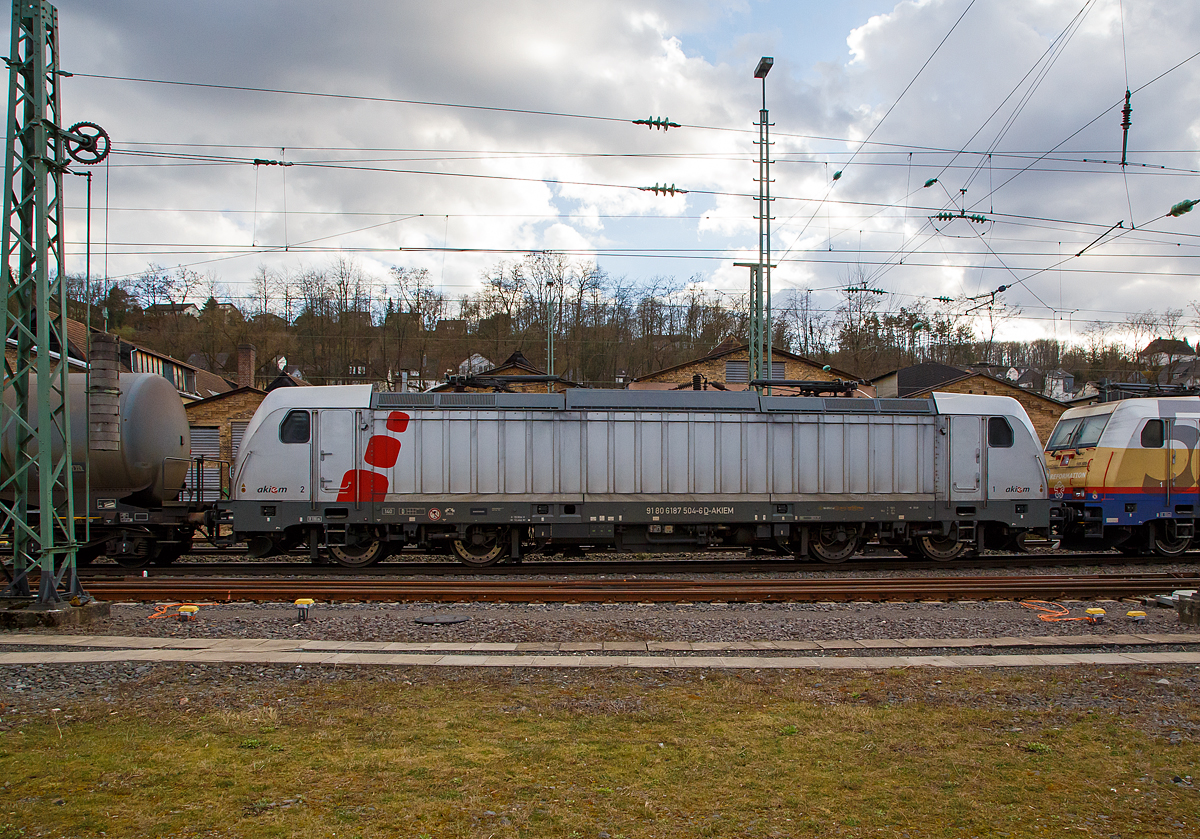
37,512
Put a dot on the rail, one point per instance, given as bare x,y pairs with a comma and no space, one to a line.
899,589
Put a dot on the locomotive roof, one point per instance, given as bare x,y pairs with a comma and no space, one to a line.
1166,406
651,400
361,396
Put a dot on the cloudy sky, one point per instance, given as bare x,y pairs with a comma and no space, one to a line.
452,135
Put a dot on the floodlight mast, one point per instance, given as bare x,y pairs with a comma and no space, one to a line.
760,332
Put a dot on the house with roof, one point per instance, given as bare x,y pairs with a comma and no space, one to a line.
76,349
1059,385
218,424
727,367
172,310
1164,352
906,381
287,378
191,381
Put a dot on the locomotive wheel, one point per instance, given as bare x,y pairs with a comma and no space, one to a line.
1018,542
483,546
1164,542
258,547
357,556
941,548
833,542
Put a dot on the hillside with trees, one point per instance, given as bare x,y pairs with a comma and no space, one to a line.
338,324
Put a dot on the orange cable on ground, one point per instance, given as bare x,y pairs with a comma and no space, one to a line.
163,609
1052,612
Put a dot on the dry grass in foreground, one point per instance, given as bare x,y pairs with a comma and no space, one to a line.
436,754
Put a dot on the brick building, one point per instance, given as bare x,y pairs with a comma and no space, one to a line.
218,423
727,368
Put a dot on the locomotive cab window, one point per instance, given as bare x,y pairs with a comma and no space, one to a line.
1078,432
1063,432
1090,430
1000,433
294,428
1152,434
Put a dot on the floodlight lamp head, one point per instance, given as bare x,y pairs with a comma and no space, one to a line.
764,67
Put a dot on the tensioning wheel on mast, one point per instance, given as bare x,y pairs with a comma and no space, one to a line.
87,143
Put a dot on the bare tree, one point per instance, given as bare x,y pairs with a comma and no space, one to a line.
266,287
156,285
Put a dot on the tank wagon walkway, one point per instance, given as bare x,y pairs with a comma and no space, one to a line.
755,655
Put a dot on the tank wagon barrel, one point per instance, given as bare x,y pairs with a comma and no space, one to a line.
492,476
149,461
133,478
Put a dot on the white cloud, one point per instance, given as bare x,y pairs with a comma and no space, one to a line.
687,61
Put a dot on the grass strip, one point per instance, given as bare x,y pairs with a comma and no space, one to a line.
610,754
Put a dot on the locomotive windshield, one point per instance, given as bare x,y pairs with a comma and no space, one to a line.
1078,432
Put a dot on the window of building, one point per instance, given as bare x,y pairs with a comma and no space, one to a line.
738,372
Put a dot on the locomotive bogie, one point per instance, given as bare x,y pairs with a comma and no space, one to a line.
492,476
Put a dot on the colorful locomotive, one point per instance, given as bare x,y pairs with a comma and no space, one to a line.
1124,475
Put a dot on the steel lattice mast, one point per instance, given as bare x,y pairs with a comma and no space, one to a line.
37,512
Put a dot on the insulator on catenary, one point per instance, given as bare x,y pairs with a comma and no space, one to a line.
671,190
656,122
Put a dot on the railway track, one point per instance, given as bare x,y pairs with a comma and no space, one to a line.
768,565
1048,587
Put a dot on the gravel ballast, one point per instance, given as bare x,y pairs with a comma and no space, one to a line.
42,686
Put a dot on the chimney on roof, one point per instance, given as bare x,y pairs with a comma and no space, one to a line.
246,365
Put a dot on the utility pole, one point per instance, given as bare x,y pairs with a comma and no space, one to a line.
37,472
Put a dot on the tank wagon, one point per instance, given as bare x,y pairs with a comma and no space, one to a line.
1124,475
494,476
130,493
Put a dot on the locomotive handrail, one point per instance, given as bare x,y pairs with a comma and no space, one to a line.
194,489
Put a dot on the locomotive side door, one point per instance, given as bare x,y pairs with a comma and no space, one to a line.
966,458
1184,435
335,451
